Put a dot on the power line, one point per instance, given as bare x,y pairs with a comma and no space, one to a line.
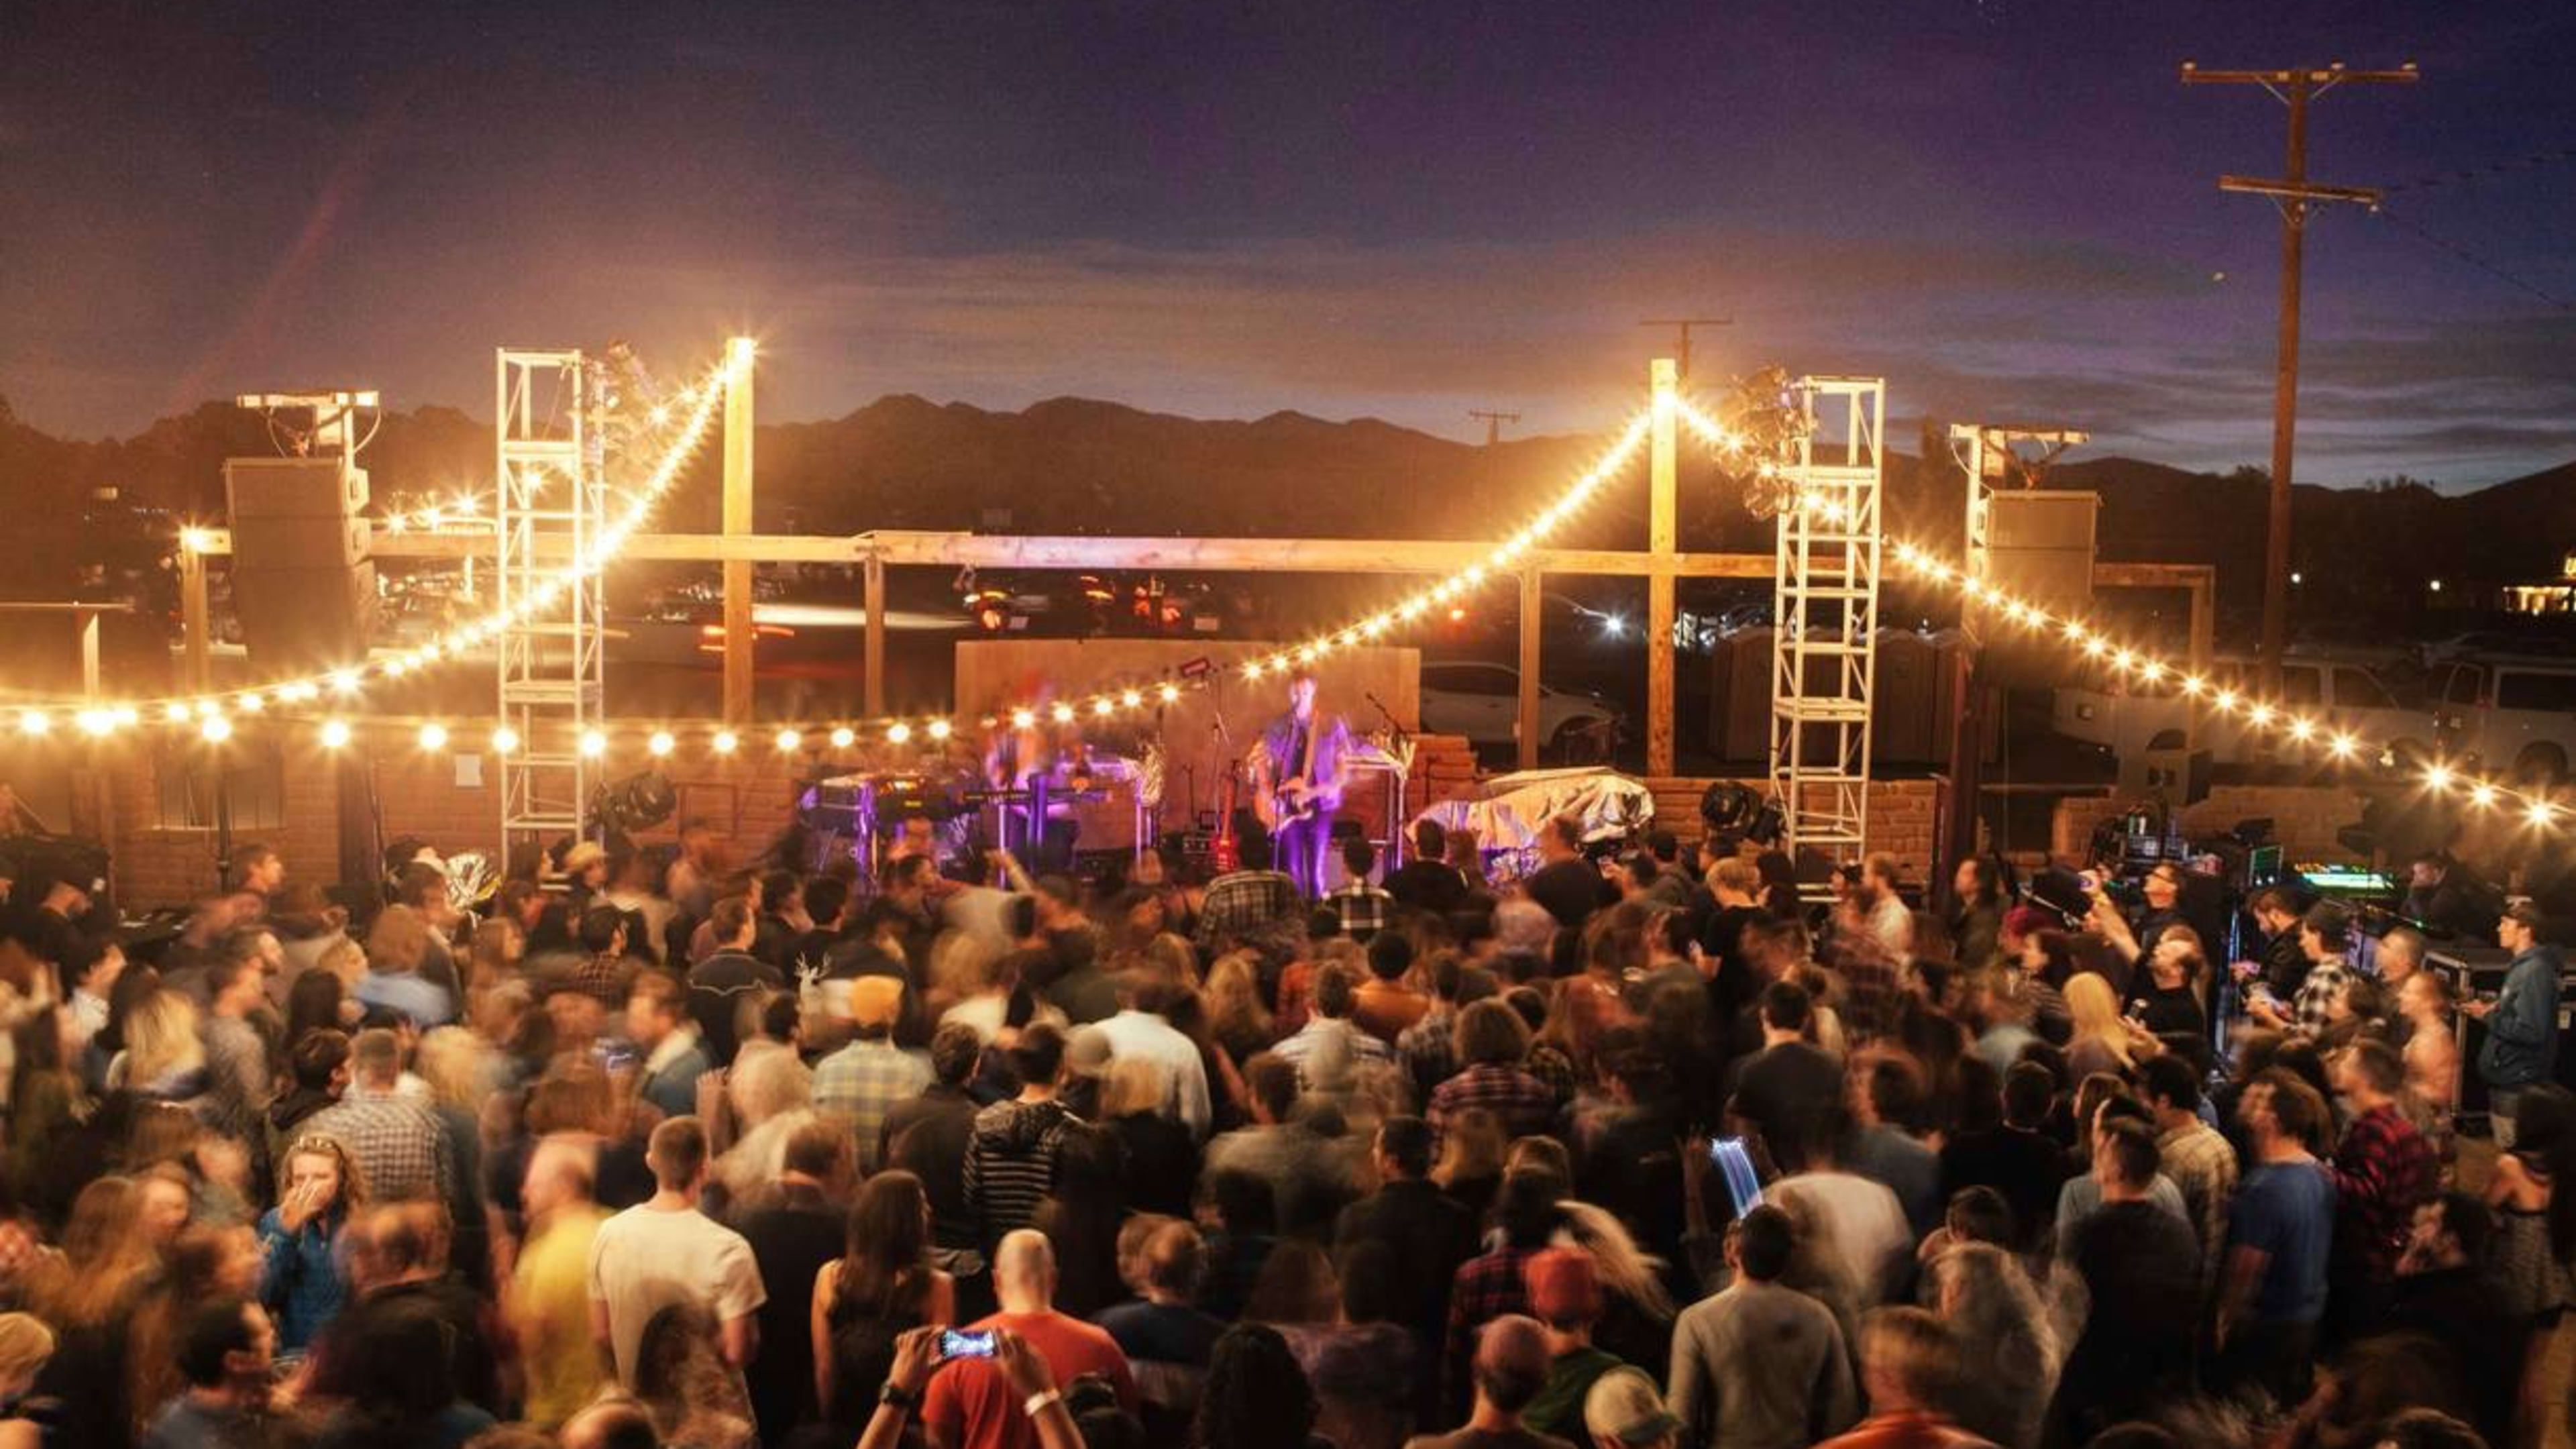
2466,174
2462,253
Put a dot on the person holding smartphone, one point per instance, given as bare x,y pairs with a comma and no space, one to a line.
922,1353
979,1403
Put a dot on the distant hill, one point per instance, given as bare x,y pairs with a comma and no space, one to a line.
1075,465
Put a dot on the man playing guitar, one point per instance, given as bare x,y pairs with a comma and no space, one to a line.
1298,784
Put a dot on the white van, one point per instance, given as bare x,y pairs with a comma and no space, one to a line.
2129,718
2509,712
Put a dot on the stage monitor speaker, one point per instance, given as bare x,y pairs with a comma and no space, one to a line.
303,585
2039,547
2181,777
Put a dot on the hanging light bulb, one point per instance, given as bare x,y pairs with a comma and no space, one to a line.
504,740
661,744
335,733
786,740
725,742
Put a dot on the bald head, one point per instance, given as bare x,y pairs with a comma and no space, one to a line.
1511,1362
560,1173
1024,1272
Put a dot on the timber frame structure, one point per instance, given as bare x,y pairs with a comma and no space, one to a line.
1662,564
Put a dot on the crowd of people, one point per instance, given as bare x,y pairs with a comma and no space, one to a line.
1640,1149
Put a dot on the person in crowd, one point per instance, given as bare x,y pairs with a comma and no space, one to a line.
1427,882
1760,1364
1978,902
1885,1097
1490,1044
225,1354
882,1284
1567,885
1012,1158
1168,1341
972,1402
720,983
2166,998
1788,1089
1910,1367
1257,1395
1363,907
1142,1028
2101,1039
2449,1297
1387,1006
301,1280
2384,1169
1565,1298
2195,1156
664,1251
2272,1289
2141,1268
870,1077
2432,1054
1510,1368
398,1145
2521,1047
2534,1251
550,1299
796,1231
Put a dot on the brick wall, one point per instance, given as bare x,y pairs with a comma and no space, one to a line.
1901,814
2304,818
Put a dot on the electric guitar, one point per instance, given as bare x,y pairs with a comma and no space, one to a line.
1278,803
1224,854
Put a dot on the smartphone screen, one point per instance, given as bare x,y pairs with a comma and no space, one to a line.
953,1344
1743,1184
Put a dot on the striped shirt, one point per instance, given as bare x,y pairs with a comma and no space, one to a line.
1011,1161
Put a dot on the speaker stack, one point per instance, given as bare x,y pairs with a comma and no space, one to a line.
304,587
2039,547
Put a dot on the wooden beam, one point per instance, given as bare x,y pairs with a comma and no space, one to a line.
873,654
739,636
1663,516
1526,716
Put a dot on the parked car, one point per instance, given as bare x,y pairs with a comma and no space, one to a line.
2130,718
1482,702
2512,712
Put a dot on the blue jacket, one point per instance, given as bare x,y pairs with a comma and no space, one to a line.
2522,1031
300,1280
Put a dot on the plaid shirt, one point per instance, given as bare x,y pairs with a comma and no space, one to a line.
1364,909
1487,1287
396,1142
2201,1162
603,978
1427,1049
1523,1102
2326,984
2382,1171
1245,903
865,1080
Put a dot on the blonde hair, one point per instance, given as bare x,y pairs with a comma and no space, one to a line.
764,1084
1134,1084
103,1259
345,959
25,1343
161,1039
1472,1147
1234,995
1624,1268
353,1180
399,940
451,1060
2097,1013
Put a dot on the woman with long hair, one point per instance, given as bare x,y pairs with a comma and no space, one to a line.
47,1107
2535,1242
1470,1169
1988,1300
25,1344
1236,1017
86,1293
2101,1042
204,1263
882,1284
163,1060
1256,1397
1636,1311
694,1396
320,1190
319,1001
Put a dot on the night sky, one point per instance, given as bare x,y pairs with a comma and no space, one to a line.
1226,209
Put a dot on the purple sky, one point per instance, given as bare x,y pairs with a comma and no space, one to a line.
1398,209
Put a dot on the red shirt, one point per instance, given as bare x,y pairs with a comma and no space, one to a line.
971,1402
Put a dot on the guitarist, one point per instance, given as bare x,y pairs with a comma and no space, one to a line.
1304,756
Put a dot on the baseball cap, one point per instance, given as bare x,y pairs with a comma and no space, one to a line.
1623,1405
1563,1286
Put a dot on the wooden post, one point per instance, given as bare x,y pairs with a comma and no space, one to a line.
1664,560
872,574
194,619
738,638
1533,618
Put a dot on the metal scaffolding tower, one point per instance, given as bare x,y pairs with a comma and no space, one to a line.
1824,653
552,502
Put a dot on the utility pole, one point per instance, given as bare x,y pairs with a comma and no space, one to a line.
1681,354
2292,194
1493,422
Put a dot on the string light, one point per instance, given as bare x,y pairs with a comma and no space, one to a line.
97,723
505,740
34,722
786,740
335,733
433,737
593,744
940,729
898,733
661,744
703,408
844,737
2339,745
724,743
215,729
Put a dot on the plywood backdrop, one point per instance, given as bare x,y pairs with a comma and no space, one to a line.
992,672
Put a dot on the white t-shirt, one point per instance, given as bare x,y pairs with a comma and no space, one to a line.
645,1259
1863,1226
